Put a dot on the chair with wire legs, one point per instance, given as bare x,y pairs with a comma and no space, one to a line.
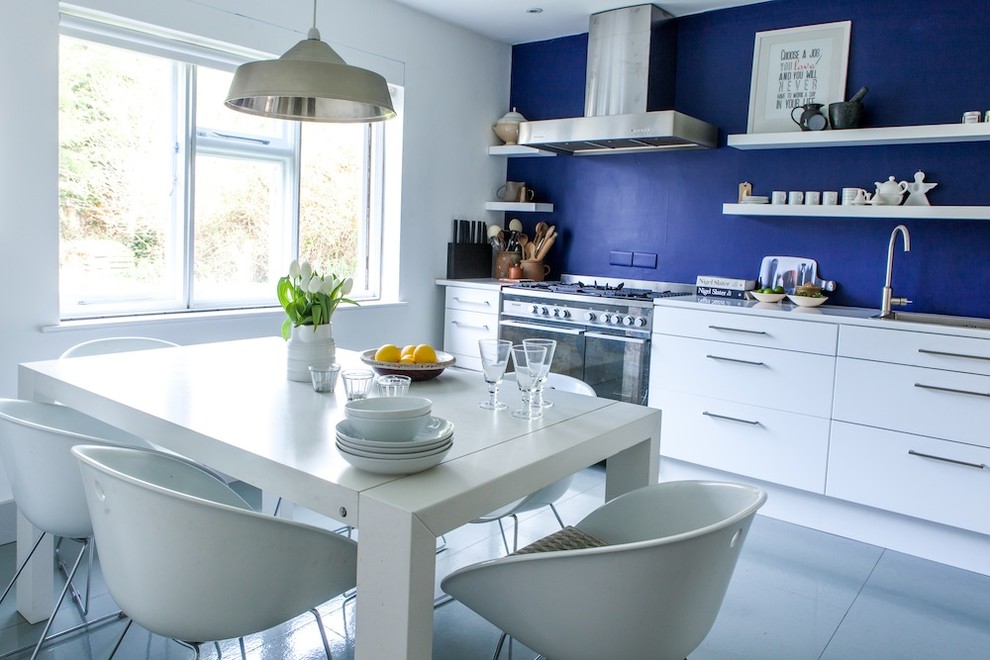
185,557
35,443
106,345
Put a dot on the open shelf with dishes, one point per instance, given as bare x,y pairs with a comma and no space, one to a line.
520,207
518,151
864,211
863,137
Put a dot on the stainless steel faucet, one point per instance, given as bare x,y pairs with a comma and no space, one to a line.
888,294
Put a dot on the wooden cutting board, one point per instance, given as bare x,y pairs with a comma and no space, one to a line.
790,272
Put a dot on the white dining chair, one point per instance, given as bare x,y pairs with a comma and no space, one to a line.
548,495
642,576
35,443
115,345
185,557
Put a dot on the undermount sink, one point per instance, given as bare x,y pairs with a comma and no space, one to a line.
937,319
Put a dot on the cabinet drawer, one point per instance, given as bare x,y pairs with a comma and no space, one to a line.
923,349
874,467
462,330
942,404
472,300
785,380
752,330
780,447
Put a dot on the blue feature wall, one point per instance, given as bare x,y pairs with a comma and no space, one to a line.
924,63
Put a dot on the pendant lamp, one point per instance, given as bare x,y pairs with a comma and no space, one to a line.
310,83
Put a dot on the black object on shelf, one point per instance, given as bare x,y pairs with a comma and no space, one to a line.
468,260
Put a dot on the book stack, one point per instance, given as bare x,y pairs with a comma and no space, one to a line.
711,286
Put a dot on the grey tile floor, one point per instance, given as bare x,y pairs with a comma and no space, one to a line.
796,593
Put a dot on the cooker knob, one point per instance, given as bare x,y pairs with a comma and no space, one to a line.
589,316
535,309
628,320
544,311
616,319
606,318
640,322
563,313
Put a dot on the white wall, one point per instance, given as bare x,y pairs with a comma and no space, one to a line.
456,85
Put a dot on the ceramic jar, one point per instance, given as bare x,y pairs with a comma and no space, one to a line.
504,260
308,345
534,269
507,128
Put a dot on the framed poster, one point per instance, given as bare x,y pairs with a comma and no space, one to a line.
795,66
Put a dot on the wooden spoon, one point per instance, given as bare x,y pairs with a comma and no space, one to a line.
523,242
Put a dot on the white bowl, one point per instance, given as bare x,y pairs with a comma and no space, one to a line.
436,429
390,407
343,447
389,430
394,465
806,301
768,297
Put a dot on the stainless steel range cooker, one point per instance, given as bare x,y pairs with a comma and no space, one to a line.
602,328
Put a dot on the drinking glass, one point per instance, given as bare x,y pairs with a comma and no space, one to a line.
494,360
551,346
357,383
393,385
324,377
528,363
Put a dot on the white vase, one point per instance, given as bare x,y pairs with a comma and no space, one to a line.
308,345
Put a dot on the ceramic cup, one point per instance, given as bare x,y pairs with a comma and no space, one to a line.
850,194
972,117
812,198
778,197
795,197
830,198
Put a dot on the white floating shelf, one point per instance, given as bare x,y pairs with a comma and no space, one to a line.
863,137
518,151
895,212
519,207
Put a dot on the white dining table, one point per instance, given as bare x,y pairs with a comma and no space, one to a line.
230,406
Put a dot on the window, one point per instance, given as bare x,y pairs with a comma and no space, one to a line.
169,201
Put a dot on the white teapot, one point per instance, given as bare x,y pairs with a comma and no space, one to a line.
890,192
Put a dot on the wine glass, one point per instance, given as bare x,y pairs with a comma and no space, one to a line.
551,346
528,362
494,360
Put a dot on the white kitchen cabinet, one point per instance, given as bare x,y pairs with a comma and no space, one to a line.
938,480
470,314
745,394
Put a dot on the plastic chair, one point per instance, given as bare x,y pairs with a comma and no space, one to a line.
548,495
35,443
115,345
653,591
186,558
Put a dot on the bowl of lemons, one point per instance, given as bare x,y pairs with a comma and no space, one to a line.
418,361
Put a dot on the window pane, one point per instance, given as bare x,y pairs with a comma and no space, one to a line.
333,216
117,175
238,228
211,91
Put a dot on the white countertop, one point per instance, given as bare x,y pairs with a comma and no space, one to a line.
826,313
487,283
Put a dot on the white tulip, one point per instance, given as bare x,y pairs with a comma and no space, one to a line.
305,270
304,283
294,270
314,285
326,285
348,285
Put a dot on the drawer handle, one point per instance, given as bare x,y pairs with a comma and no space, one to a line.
958,355
951,389
469,325
731,419
727,329
473,301
737,360
978,466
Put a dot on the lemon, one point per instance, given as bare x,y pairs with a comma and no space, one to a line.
424,353
407,359
388,353
408,349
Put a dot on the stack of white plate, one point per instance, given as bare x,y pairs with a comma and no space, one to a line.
755,199
420,452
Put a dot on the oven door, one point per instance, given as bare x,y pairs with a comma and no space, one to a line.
618,365
568,356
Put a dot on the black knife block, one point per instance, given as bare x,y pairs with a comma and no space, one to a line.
468,260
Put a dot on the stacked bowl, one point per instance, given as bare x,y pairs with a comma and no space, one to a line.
393,435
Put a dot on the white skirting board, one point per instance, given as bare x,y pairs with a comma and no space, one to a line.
941,543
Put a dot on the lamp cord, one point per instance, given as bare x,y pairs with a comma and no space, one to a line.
313,32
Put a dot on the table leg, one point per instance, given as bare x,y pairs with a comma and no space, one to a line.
395,582
36,583
634,467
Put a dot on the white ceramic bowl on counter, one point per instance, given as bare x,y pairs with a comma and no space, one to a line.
806,301
392,407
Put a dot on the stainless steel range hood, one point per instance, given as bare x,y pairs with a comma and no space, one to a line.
628,92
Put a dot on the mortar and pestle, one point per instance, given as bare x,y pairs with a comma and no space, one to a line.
846,114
